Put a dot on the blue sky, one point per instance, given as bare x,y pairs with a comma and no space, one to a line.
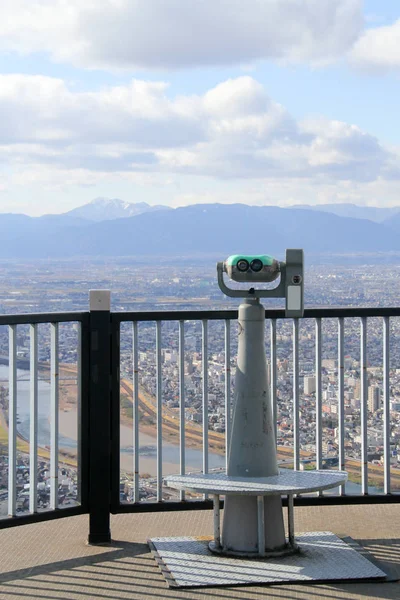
257,101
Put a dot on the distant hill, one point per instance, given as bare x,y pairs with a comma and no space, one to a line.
105,209
373,213
210,228
393,222
233,228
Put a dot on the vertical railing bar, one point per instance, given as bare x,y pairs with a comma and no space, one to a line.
318,392
227,389
159,411
83,412
135,352
114,381
54,396
205,395
33,419
341,396
296,399
79,413
386,406
273,378
12,421
182,401
364,411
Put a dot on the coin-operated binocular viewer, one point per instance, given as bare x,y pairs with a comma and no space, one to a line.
253,485
252,446
265,269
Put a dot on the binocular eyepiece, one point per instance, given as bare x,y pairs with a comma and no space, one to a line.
257,268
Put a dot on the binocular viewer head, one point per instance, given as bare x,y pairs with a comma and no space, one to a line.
263,268
252,268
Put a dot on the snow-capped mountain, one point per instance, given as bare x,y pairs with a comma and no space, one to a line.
106,209
216,229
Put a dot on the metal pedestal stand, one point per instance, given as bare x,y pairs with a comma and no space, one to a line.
286,483
253,486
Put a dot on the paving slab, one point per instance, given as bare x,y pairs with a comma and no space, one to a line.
52,560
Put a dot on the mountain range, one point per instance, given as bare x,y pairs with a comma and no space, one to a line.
97,229
373,213
106,209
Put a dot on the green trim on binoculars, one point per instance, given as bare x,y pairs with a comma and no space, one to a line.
266,259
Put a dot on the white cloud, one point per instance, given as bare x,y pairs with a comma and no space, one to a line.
54,137
378,49
169,34
43,109
345,150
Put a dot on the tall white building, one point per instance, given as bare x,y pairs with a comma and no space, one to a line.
374,398
309,385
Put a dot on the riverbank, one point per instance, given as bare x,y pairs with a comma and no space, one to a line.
147,450
67,400
65,457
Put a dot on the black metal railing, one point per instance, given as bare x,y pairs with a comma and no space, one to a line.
25,453
99,377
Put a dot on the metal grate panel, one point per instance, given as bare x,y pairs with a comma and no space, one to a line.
187,562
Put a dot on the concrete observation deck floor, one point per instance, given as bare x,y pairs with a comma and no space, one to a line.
51,560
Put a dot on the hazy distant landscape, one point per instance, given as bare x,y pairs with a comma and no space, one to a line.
115,228
158,259
47,285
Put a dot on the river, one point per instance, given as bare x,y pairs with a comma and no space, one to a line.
23,399
68,432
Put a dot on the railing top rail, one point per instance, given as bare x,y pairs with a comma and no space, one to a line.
27,319
195,315
198,315
350,312
174,315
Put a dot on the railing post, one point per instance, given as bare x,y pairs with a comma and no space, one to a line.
99,418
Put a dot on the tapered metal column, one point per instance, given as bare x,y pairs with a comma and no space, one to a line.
99,418
252,451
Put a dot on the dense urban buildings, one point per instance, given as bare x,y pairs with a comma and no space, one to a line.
64,286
